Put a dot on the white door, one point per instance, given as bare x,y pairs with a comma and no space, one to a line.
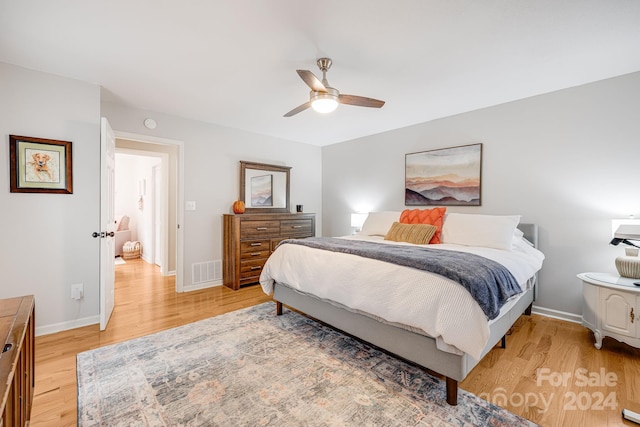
107,222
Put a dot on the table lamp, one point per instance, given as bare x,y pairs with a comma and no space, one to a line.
629,264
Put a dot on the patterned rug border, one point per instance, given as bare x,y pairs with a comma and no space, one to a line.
151,374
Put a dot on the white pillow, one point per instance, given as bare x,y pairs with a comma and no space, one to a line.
490,231
379,223
518,234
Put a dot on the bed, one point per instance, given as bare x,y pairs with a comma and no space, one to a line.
421,316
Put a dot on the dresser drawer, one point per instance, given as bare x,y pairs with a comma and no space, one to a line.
252,229
296,227
251,248
254,245
6,323
251,269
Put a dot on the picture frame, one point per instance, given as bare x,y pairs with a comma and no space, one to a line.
262,190
279,187
444,177
38,165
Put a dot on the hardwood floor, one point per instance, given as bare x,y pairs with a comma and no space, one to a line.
539,375
551,374
146,302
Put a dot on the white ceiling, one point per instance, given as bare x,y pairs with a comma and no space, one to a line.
233,62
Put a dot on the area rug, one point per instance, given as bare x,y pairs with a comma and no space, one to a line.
253,368
119,261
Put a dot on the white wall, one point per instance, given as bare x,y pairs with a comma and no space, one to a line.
126,189
46,245
46,242
212,172
568,161
130,171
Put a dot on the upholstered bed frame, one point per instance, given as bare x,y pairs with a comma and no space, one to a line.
411,346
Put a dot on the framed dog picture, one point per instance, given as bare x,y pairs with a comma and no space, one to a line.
40,165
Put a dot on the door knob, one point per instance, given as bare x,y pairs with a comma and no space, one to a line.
103,234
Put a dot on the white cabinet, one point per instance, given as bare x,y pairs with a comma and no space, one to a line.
611,306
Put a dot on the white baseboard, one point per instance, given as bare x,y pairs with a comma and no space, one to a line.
93,320
556,314
203,285
63,326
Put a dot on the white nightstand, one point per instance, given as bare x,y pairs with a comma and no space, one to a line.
611,307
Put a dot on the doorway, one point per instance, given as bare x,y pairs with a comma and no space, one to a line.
159,199
142,204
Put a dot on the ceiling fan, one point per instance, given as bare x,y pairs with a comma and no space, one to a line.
323,98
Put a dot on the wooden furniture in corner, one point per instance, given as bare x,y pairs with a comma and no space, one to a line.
17,362
249,239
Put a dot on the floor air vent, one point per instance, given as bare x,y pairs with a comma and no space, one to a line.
209,271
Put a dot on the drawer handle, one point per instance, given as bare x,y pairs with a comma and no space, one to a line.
7,347
255,253
632,315
261,228
297,226
256,244
255,268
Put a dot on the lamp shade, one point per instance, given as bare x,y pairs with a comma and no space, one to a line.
624,230
357,219
324,105
628,231
616,223
324,102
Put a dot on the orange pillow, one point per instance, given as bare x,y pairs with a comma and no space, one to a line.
433,216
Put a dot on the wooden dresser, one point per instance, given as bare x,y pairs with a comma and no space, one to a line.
249,239
17,362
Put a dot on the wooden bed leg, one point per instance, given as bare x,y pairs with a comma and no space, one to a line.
278,308
452,391
504,341
528,310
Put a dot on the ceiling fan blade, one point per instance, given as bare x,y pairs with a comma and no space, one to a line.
311,80
360,101
298,109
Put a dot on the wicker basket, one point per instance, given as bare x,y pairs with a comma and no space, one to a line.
131,250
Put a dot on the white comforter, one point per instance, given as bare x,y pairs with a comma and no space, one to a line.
433,304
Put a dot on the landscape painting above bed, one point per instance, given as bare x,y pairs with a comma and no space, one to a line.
444,177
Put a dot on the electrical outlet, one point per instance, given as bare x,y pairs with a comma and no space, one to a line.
190,206
77,291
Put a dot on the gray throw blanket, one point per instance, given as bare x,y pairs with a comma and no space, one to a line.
489,282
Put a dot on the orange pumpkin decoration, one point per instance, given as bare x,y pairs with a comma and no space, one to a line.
238,207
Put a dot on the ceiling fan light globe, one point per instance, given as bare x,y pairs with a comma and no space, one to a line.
324,105
324,102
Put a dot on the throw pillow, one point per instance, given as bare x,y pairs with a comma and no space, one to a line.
418,234
433,216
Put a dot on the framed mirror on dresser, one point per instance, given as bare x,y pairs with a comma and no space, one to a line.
264,188
251,237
